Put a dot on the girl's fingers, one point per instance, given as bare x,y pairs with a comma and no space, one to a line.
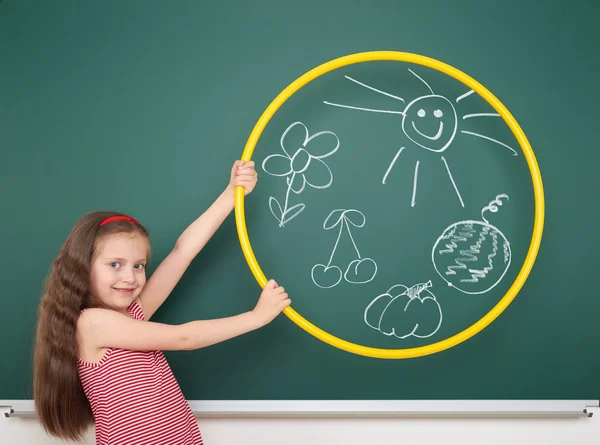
246,172
248,164
245,178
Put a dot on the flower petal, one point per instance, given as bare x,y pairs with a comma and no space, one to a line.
277,165
322,144
318,175
293,138
296,183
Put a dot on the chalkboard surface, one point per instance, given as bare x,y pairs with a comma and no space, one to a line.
394,205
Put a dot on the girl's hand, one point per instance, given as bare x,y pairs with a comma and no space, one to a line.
272,301
243,174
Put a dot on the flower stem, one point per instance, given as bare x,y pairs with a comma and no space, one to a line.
287,197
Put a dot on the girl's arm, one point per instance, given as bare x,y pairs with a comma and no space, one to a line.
193,239
104,328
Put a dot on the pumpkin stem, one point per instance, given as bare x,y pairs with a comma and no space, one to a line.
415,290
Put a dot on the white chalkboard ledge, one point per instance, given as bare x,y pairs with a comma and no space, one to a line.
364,408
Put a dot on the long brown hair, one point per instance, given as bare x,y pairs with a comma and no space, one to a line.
60,403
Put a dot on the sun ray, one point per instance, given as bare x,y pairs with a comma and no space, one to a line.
415,179
469,116
489,139
391,165
452,180
468,93
374,89
363,109
426,84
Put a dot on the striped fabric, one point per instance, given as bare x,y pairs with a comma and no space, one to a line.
136,399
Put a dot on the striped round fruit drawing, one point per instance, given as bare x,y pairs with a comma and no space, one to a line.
473,256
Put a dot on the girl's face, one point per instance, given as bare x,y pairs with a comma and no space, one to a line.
118,269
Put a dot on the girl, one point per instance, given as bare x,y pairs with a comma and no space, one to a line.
98,358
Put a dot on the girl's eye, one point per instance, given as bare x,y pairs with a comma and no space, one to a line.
139,266
115,264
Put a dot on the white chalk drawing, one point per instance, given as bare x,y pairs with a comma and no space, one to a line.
300,166
359,271
428,109
473,256
405,312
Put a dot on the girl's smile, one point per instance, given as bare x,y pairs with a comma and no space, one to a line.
125,291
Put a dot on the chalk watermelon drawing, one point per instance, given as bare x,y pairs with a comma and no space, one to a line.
301,164
428,110
405,312
359,271
473,256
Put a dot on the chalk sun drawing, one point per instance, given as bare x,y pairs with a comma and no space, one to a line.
359,271
473,256
301,164
405,312
430,110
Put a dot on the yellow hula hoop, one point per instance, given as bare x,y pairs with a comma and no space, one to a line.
508,118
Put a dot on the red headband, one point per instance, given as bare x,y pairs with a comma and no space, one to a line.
118,218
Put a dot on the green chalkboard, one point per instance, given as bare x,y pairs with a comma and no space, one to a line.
142,107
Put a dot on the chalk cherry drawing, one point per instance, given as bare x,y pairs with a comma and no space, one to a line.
300,166
473,256
359,271
405,312
428,111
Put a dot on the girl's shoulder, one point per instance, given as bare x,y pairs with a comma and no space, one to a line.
89,354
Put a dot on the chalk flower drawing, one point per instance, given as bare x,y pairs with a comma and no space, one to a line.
359,271
301,164
405,312
427,112
473,256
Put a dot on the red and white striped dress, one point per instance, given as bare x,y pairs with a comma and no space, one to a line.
135,398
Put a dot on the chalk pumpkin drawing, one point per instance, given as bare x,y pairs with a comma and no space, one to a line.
405,312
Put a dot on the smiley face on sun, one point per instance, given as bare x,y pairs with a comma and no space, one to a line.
431,123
